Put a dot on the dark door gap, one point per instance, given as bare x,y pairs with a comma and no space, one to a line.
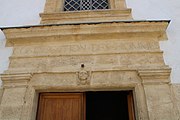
107,105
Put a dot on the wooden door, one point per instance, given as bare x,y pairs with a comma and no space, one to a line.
131,106
61,106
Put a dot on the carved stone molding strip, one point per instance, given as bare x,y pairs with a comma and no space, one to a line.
155,75
67,69
86,14
16,80
79,16
63,30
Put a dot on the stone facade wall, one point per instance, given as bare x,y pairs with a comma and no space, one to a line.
115,56
93,55
176,92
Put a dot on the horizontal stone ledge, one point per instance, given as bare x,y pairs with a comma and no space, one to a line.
88,68
89,38
55,55
85,14
154,76
101,77
75,88
15,79
146,73
79,16
21,76
86,28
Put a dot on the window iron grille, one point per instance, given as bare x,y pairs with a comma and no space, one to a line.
76,5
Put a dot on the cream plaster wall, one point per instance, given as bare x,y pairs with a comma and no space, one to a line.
25,12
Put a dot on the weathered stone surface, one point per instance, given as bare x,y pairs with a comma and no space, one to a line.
141,105
155,76
29,108
43,64
115,79
15,80
13,96
54,80
11,104
87,48
90,16
159,102
176,91
153,30
1,93
10,112
122,55
108,78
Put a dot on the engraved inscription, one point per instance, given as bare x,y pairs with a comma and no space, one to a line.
87,48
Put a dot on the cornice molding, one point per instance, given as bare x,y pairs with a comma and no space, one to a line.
149,76
63,31
15,80
65,69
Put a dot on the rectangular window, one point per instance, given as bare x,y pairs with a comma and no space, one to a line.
76,5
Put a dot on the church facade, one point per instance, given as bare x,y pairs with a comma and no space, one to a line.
81,50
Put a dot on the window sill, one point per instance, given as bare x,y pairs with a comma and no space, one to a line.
85,16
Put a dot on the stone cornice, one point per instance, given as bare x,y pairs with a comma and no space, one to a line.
140,70
15,80
150,76
63,31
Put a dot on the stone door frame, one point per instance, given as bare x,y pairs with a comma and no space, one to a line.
34,85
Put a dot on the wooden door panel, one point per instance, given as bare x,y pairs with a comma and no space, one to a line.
61,106
131,106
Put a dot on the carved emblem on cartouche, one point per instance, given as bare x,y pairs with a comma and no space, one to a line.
83,76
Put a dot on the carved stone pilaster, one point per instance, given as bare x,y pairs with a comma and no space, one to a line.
15,87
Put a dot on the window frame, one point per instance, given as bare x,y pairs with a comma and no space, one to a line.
55,6
82,8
